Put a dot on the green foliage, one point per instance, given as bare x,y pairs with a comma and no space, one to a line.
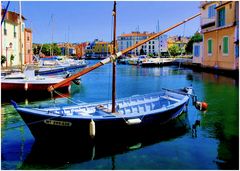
197,37
151,55
174,50
56,49
12,57
36,49
3,59
48,48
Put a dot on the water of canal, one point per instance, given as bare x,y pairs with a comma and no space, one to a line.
215,146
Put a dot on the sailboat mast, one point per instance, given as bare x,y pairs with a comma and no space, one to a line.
20,36
114,62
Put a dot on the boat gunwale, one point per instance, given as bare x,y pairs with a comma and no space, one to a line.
108,116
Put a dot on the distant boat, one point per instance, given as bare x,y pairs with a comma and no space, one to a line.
55,66
157,62
27,81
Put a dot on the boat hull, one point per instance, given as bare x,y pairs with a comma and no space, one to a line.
59,70
26,87
63,128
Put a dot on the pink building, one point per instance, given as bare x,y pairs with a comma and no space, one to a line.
28,54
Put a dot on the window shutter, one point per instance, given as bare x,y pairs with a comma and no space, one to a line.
225,45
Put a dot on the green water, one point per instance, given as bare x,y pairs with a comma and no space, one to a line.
215,146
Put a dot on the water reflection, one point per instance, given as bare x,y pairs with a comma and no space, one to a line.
59,155
214,147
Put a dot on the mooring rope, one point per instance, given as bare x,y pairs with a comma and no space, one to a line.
70,99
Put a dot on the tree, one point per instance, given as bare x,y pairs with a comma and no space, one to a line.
56,49
174,50
36,49
3,60
197,37
48,48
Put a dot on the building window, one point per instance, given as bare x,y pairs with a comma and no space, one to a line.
211,11
28,38
14,31
221,17
29,51
196,51
5,29
22,27
210,46
225,45
237,50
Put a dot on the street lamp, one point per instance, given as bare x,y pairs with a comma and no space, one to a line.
10,46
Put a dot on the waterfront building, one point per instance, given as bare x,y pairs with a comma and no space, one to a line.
102,49
152,47
197,53
28,53
220,29
89,48
67,49
179,41
10,39
80,49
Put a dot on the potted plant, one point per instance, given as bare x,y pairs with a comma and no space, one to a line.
3,60
11,58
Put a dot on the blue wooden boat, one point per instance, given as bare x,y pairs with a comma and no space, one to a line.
134,113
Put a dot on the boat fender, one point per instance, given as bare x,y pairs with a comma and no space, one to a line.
133,121
202,106
92,130
26,86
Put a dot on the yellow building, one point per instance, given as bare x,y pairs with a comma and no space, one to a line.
102,48
179,41
10,38
219,24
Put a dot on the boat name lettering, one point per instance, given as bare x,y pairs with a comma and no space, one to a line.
58,123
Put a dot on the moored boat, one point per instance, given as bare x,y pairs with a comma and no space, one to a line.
134,113
59,67
27,81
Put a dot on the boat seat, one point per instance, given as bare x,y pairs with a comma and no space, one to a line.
169,98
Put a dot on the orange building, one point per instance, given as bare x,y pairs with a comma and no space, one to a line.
80,49
219,24
28,54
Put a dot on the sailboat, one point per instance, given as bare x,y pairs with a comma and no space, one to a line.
28,82
119,116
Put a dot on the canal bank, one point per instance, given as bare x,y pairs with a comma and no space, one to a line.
214,147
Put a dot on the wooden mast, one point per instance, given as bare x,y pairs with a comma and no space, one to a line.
115,56
114,61
20,36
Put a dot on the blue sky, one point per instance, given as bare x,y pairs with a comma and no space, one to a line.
79,21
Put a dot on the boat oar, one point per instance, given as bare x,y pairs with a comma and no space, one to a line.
115,56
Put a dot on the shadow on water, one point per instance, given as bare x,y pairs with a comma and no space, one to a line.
57,155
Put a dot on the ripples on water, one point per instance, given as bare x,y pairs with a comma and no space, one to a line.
214,147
